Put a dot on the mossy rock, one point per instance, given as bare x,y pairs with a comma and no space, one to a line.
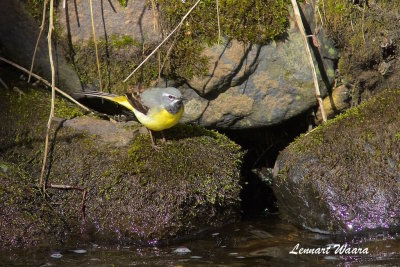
344,175
367,39
134,193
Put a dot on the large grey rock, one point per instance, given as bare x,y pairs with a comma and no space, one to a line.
253,86
135,20
345,175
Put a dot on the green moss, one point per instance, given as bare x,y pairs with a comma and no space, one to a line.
355,119
397,136
22,104
253,21
123,3
187,160
66,110
35,8
114,65
119,42
361,32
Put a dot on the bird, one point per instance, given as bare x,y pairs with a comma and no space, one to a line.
155,108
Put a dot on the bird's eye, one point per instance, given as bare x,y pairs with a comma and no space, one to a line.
171,97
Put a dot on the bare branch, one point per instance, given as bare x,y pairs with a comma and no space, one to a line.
53,97
38,39
45,82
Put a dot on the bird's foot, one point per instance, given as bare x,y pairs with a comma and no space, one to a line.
155,147
164,141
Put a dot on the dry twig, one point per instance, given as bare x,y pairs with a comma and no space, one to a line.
156,23
45,82
53,96
166,38
219,26
167,55
4,84
308,52
95,46
38,39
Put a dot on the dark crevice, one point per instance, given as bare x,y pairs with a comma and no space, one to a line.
262,146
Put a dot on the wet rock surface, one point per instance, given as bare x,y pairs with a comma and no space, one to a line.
344,176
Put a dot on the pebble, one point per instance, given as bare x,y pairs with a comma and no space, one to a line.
79,251
182,250
56,255
330,258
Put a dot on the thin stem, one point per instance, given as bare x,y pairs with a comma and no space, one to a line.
95,45
159,65
167,55
308,52
155,15
166,38
219,26
53,96
45,82
38,39
4,84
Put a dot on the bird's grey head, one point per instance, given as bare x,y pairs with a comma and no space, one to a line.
171,99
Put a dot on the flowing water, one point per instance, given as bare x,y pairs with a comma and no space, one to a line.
261,241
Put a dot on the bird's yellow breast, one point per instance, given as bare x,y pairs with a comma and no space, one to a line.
158,119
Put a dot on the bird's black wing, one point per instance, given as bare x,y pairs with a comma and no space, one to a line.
136,102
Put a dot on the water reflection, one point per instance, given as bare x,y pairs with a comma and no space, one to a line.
264,241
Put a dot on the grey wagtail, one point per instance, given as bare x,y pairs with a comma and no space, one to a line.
156,108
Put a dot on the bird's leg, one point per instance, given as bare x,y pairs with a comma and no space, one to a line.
163,137
153,143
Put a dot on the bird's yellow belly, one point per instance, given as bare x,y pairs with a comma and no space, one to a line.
159,120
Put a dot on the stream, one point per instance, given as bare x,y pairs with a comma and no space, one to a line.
259,241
